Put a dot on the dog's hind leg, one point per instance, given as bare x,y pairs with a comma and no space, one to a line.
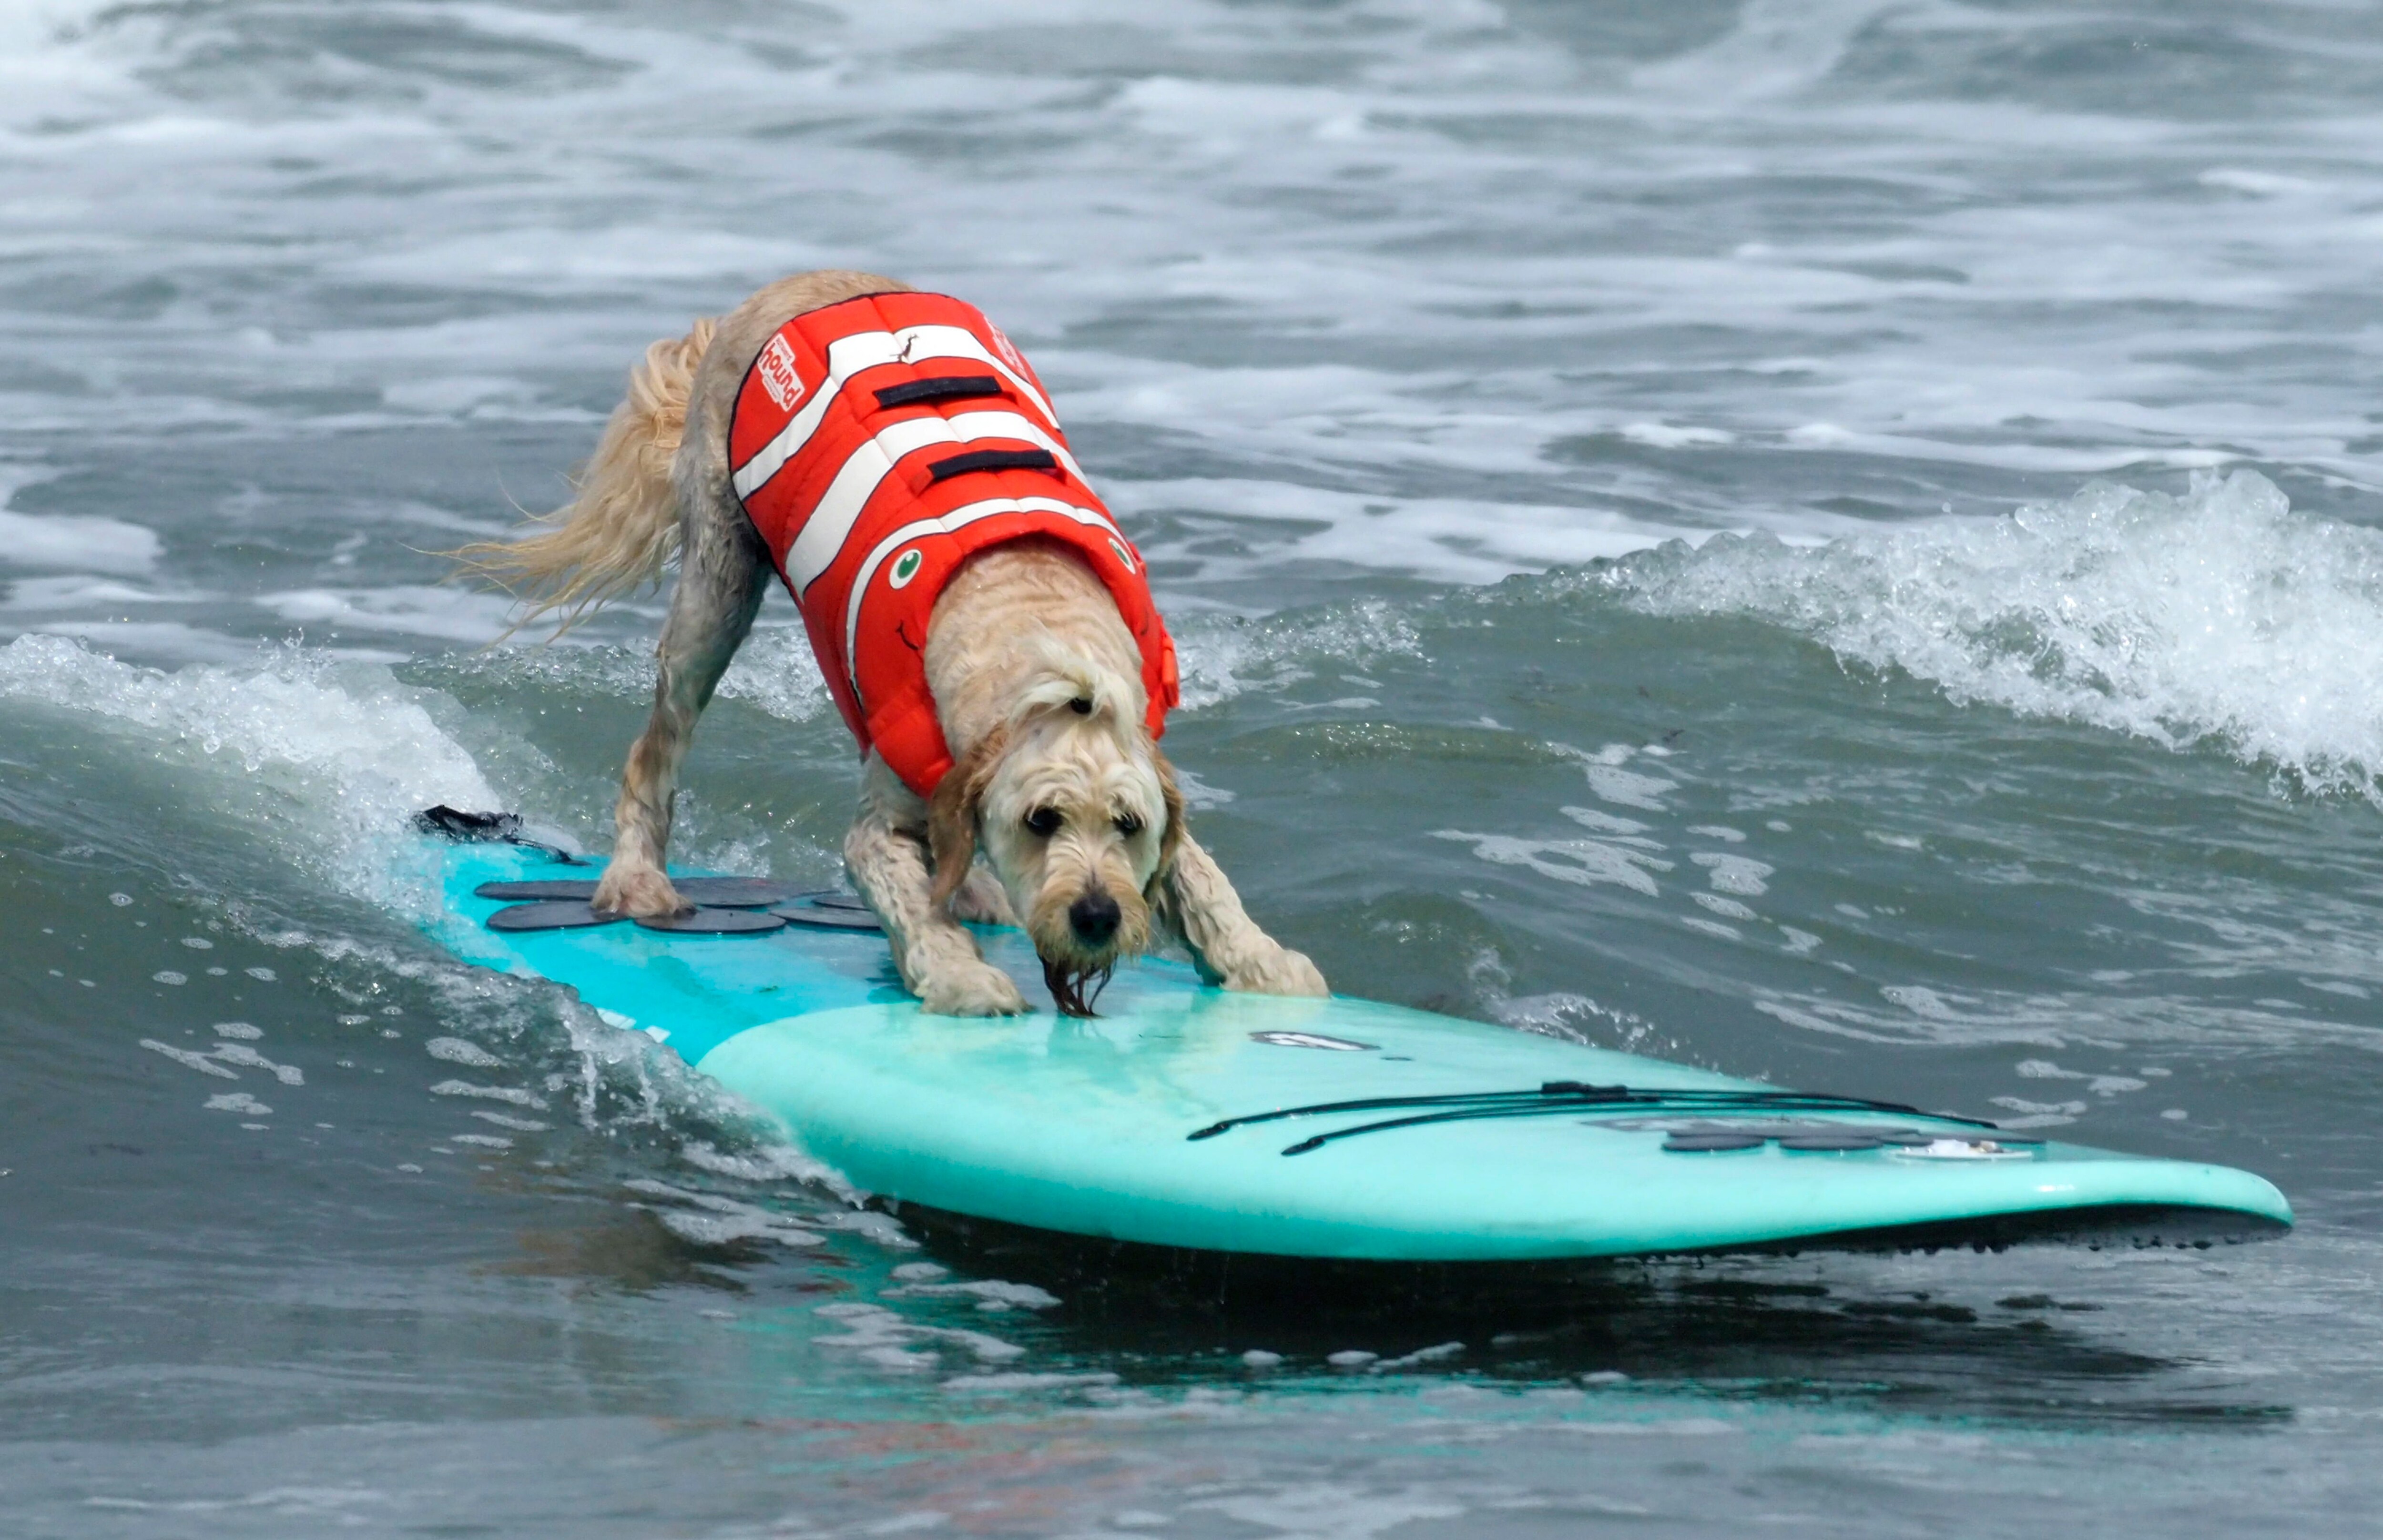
887,852
723,576
1197,902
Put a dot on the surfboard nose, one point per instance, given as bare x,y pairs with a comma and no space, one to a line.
1094,918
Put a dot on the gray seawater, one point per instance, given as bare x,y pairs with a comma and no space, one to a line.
1833,540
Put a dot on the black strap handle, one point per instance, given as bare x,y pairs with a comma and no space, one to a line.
941,387
992,460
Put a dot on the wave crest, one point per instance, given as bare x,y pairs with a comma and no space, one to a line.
2218,618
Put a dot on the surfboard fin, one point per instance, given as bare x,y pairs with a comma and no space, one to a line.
496,828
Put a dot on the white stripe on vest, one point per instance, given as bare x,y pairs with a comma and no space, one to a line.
847,356
856,481
966,514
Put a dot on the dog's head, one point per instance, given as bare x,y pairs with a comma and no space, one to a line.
1078,814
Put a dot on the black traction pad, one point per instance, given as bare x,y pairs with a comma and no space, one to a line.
719,892
716,922
1705,1138
828,911
550,916
1710,1143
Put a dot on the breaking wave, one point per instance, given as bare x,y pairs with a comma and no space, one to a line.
2221,618
331,757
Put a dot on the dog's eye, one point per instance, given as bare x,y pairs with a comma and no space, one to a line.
1044,821
1127,825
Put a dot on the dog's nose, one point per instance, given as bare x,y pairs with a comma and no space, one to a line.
1094,918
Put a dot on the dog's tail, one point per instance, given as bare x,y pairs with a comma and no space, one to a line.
622,529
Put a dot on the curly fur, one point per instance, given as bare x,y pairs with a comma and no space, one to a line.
1057,785
622,530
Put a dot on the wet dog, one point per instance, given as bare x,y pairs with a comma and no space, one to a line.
1038,687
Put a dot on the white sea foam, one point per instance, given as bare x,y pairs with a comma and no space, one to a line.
71,590
1224,656
776,671
1737,874
990,1294
769,1162
520,1125
1728,908
999,1385
460,1051
172,641
410,610
1425,355
514,1094
84,544
249,1058
711,1219
1628,788
2221,617
1582,863
341,752
2056,1020
1437,1353
189,1059
1447,539
878,1336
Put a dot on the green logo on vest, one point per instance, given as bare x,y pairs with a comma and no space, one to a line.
907,565
1122,554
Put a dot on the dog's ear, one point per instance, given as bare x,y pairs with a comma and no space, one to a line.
952,811
1171,840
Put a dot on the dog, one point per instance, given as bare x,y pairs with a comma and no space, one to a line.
1019,728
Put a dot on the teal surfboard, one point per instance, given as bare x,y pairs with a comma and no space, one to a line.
1187,1116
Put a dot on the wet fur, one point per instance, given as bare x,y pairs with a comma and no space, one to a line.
1036,682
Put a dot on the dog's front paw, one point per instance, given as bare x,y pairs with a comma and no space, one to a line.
1281,971
979,990
641,892
980,901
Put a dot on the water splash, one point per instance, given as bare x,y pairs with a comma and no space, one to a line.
328,759
2220,618
1224,656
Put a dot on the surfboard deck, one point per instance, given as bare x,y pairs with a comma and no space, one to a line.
1187,1116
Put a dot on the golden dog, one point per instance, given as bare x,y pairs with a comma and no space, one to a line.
1036,682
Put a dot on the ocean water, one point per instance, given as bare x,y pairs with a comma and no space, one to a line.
1834,541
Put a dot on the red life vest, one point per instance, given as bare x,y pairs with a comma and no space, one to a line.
877,444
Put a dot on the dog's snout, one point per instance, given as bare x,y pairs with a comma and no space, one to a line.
1094,918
